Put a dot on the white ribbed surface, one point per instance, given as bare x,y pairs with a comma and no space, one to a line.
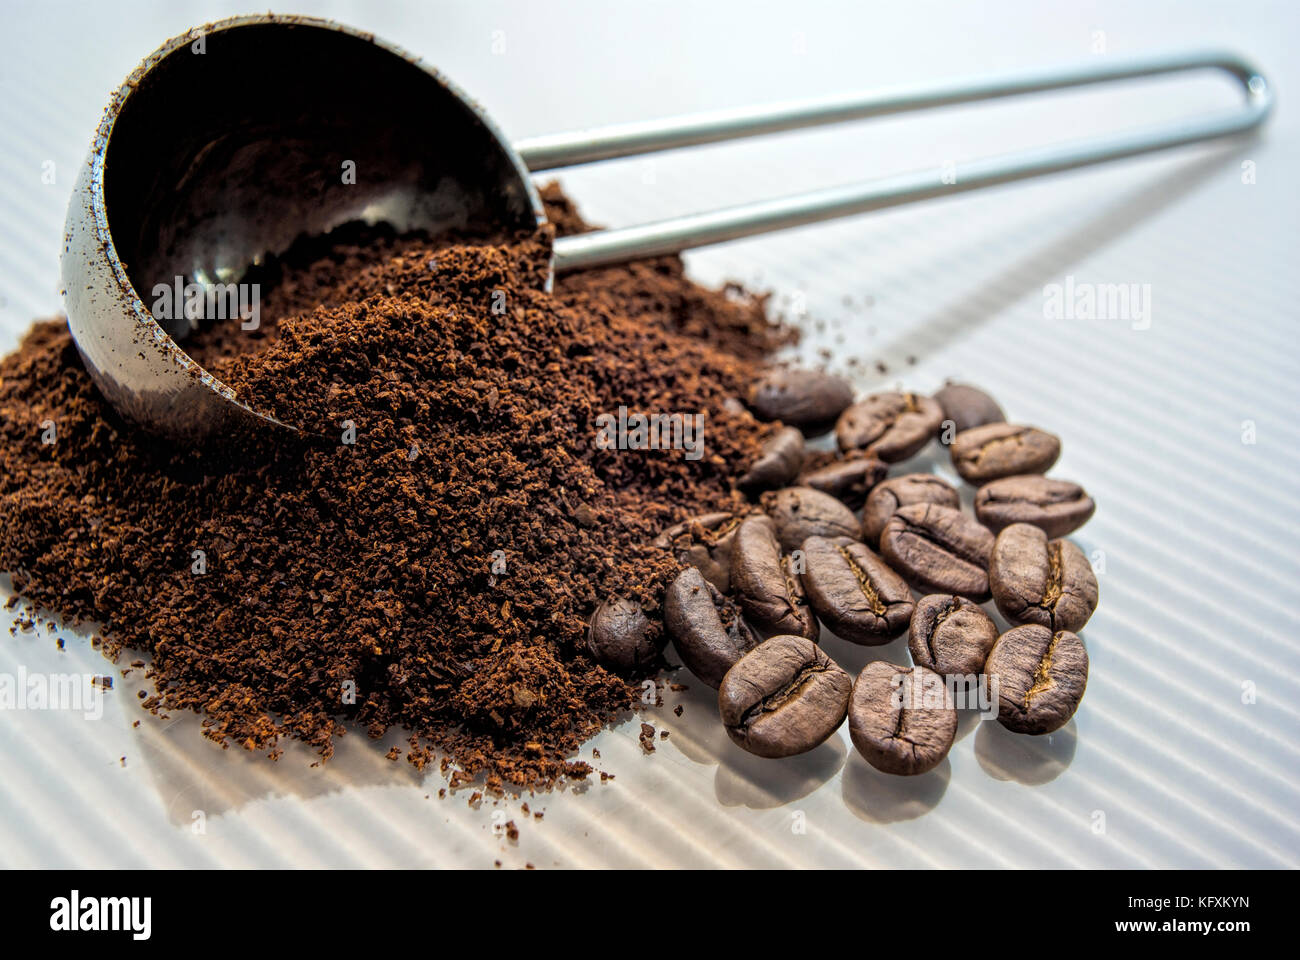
1199,530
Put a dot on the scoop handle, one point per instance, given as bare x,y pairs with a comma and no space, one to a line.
731,223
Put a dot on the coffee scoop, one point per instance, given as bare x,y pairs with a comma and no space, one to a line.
230,142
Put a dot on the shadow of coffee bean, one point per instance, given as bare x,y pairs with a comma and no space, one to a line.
852,657
744,780
1029,760
967,720
932,458
884,798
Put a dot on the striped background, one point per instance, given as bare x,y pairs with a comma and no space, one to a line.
1164,765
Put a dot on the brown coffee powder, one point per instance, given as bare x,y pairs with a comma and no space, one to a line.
441,567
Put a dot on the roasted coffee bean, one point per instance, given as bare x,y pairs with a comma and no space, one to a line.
853,591
903,491
802,512
1036,580
939,550
998,450
1040,676
800,397
950,635
967,407
901,719
1057,507
848,480
707,628
779,462
766,587
704,542
783,698
890,426
621,637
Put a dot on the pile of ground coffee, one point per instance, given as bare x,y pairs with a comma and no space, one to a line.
432,563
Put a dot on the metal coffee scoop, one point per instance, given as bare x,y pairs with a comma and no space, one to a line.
228,143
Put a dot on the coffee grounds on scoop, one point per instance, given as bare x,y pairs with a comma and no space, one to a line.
369,566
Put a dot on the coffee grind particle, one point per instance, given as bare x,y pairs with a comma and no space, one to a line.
435,570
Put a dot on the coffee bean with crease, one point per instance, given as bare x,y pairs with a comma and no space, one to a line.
939,550
802,512
704,542
1040,676
967,407
849,480
621,637
783,698
768,590
885,499
1037,580
998,450
901,719
709,633
950,635
1057,507
800,397
853,592
779,462
889,426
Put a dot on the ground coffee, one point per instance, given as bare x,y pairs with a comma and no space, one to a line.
432,562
